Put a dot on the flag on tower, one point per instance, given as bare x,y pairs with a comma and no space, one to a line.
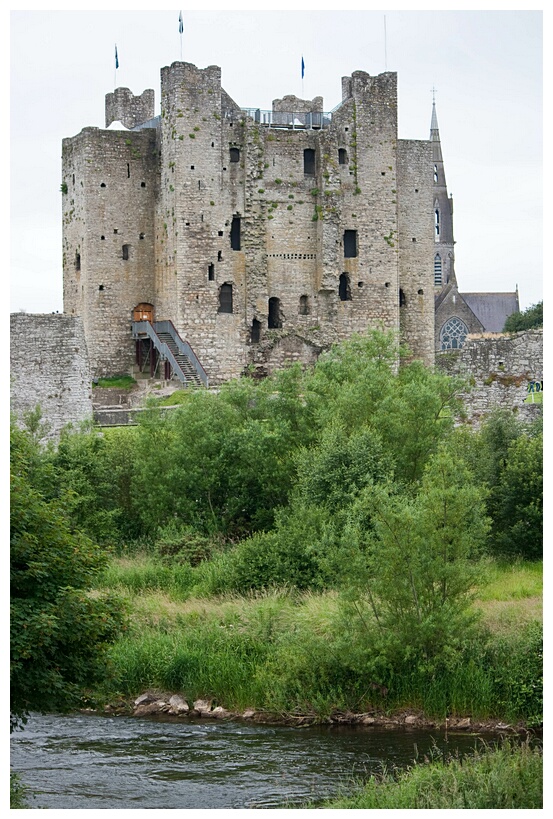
116,57
302,67
181,24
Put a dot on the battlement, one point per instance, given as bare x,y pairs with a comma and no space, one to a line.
123,106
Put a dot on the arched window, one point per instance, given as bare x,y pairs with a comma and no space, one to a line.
304,306
437,269
342,156
309,162
435,173
437,224
275,316
453,334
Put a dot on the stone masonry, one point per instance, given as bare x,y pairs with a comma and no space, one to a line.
49,367
263,236
499,369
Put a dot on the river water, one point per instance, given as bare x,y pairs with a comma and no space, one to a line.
96,761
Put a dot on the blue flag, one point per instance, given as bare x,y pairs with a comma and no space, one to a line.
116,58
181,24
302,68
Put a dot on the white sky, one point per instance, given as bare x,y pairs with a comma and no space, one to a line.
485,65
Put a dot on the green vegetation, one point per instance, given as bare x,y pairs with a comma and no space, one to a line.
120,382
318,540
528,319
59,633
507,777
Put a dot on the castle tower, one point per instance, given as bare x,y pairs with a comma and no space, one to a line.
263,236
444,256
108,192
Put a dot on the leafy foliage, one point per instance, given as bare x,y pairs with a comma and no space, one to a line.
58,631
528,319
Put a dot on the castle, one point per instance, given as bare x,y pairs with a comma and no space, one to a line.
250,237
214,240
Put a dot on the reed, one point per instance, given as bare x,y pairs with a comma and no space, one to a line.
505,777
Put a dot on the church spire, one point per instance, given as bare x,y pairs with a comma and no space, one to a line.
444,271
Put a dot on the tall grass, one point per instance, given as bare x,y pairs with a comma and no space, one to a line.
506,777
286,651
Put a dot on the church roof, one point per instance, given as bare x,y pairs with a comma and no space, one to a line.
492,309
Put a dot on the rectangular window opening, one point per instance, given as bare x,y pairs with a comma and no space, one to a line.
350,244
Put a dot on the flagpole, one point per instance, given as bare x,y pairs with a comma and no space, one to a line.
181,30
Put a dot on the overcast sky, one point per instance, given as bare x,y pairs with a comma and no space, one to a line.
485,65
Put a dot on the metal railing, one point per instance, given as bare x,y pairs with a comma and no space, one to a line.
300,120
183,347
146,328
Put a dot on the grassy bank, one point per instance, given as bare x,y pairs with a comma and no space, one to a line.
509,777
290,652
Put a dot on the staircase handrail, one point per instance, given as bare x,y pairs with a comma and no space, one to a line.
161,346
167,326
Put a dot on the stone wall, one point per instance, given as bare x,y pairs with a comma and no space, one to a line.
245,231
499,368
49,367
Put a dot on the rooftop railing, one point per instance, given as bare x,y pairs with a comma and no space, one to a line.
290,119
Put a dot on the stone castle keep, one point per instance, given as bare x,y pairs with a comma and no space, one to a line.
256,237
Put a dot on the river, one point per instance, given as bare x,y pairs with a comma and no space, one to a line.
96,761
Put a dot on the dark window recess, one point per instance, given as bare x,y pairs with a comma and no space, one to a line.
77,261
402,301
140,235
211,272
235,233
219,233
142,184
309,161
234,154
275,316
342,156
126,249
344,288
225,298
101,287
102,237
128,171
219,256
420,292
350,244
304,306
103,185
256,331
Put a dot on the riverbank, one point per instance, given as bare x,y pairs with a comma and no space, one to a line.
156,703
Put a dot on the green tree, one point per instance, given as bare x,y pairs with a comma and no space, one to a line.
518,519
59,632
528,319
419,561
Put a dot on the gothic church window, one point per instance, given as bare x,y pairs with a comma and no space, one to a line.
437,269
453,334
350,244
344,288
309,162
225,298
435,173
437,224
